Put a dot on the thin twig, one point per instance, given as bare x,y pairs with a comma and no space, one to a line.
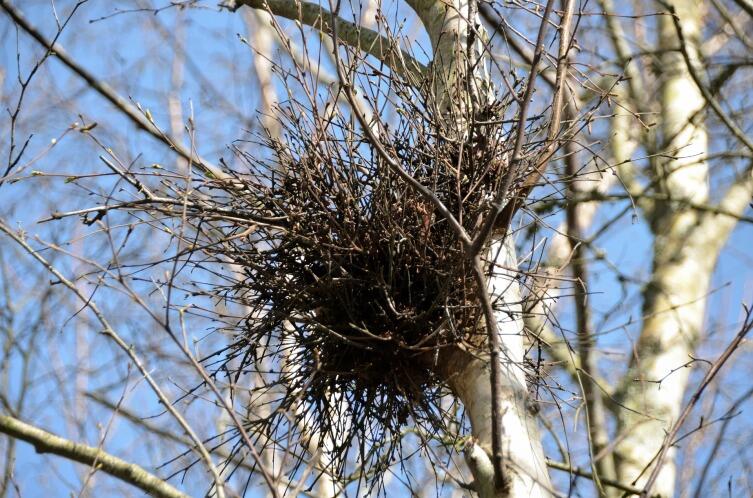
106,91
669,439
710,100
115,337
498,205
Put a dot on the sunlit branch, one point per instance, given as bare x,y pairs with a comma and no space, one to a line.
710,99
47,442
139,118
358,37
125,347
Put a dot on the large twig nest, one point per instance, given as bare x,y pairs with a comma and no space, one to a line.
353,293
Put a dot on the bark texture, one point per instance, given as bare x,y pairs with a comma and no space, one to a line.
683,262
46,442
460,83
468,374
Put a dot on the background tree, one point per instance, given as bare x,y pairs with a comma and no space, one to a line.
431,240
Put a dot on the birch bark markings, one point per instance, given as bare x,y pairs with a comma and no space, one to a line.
457,45
262,38
674,300
468,374
446,23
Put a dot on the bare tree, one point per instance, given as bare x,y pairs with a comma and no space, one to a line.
377,248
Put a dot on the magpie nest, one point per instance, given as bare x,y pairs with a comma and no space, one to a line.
352,280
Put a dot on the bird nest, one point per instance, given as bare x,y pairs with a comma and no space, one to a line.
357,283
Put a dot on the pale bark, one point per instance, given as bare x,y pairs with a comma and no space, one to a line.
674,300
457,45
367,40
451,35
369,12
468,373
261,36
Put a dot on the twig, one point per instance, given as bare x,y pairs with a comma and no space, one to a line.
359,37
112,334
718,364
588,475
710,100
499,203
106,91
391,163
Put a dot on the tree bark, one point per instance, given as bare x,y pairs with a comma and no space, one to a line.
468,374
675,298
461,82
96,458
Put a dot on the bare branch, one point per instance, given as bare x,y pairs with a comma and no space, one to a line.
669,439
746,5
630,490
112,334
47,442
131,111
358,37
710,99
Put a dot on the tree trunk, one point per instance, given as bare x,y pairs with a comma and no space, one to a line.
468,373
675,298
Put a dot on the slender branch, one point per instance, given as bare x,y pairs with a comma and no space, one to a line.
629,490
600,87
359,37
563,63
718,221
430,196
47,442
721,441
124,106
737,194
732,23
498,24
115,337
669,439
746,5
710,100
499,203
594,403
624,58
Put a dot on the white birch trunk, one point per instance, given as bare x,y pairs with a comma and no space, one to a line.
675,299
468,374
446,22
